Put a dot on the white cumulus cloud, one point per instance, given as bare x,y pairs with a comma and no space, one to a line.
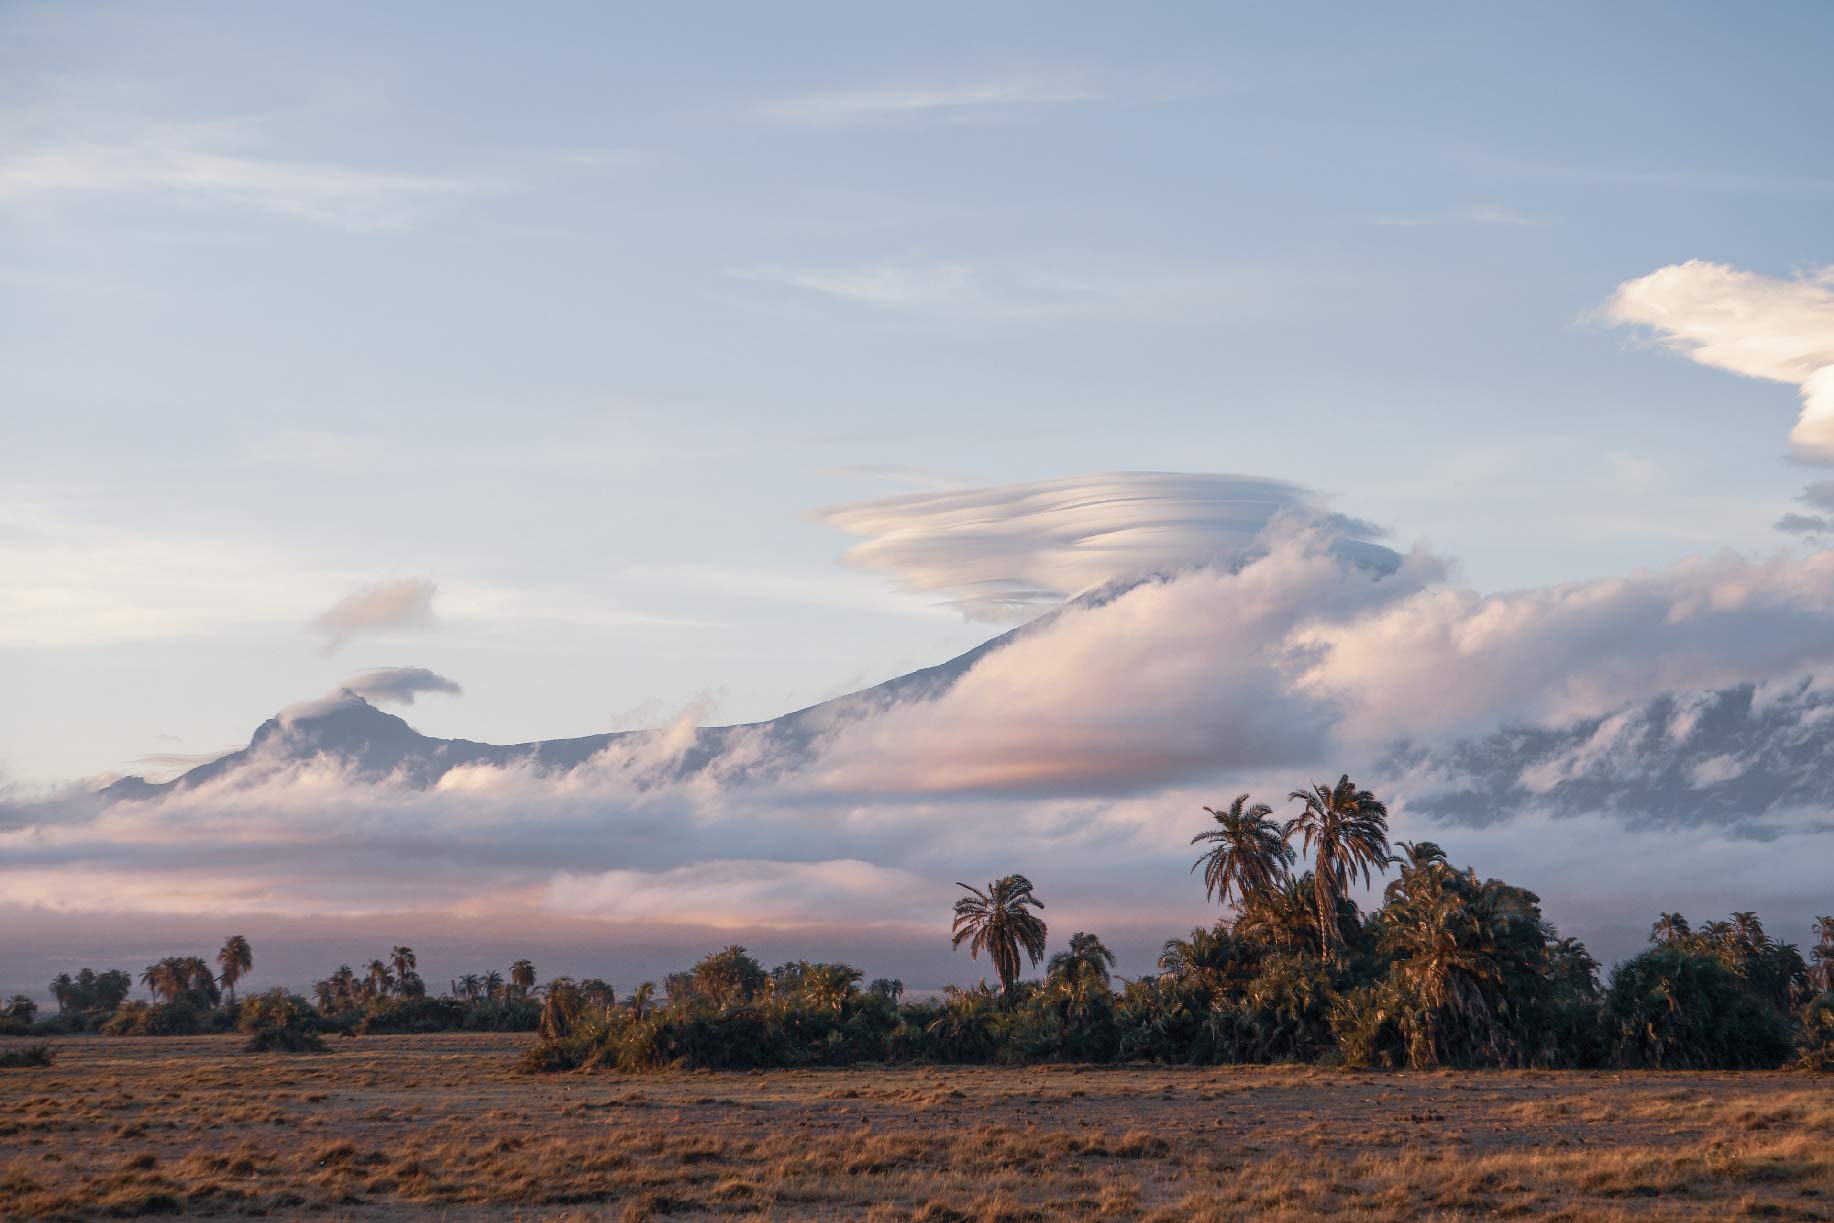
1746,323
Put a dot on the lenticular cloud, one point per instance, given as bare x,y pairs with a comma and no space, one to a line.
1011,550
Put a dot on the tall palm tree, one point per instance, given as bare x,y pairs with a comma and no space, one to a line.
1248,853
403,961
999,921
235,959
493,984
469,986
379,978
1349,828
522,977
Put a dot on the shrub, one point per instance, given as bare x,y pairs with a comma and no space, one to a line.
1815,1037
157,1019
279,1022
30,1055
422,1014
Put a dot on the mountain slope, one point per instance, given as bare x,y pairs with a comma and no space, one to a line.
347,729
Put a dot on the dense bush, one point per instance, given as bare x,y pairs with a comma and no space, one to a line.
279,1022
422,1014
1815,1035
164,1019
1676,1008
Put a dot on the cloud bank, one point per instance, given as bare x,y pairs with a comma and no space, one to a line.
1746,323
1557,737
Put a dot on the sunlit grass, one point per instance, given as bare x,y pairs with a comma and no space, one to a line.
443,1126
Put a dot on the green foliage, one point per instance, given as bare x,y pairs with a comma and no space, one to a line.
1474,977
1815,1033
1675,1007
414,1014
180,1018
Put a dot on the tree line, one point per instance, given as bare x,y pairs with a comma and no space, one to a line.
1447,970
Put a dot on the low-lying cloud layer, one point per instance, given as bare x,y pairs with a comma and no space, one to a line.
1079,749
1747,323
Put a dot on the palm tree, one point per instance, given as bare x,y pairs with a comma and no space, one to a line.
158,980
493,984
640,999
1248,855
827,987
468,986
378,978
235,959
1821,956
1200,959
560,1007
999,921
1088,959
1350,829
522,977
1670,928
403,961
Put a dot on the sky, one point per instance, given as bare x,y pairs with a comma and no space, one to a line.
627,365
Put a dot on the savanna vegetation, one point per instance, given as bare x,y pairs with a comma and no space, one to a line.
441,1126
1448,970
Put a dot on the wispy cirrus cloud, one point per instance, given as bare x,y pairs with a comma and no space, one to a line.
1023,291
1474,215
229,163
1745,323
958,102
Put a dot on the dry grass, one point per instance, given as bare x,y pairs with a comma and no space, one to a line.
441,1127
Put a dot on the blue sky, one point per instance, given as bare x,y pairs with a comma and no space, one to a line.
594,308
552,335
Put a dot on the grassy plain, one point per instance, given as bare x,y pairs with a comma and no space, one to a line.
445,1128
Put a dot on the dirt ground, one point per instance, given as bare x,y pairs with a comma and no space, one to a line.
443,1127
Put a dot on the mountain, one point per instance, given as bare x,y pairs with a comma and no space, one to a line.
1742,760
346,728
